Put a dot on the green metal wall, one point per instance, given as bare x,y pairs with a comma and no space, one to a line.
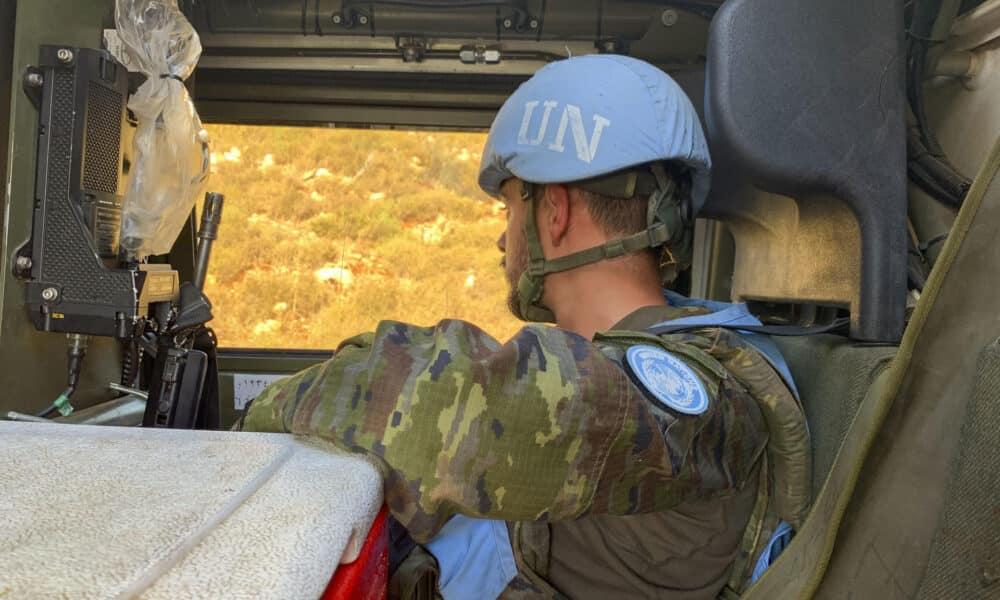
33,364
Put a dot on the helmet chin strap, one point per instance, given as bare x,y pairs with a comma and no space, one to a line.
665,220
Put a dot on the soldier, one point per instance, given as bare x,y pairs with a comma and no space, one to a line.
589,459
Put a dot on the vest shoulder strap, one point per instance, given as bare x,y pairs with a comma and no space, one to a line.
779,330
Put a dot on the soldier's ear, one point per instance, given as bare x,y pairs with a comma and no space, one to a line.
556,212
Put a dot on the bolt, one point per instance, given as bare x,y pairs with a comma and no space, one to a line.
34,80
411,54
363,19
491,56
669,17
609,47
508,23
533,24
337,19
49,294
23,263
65,55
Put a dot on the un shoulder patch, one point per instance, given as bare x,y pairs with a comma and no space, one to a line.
668,379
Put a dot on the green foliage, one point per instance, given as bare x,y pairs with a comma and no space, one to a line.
328,231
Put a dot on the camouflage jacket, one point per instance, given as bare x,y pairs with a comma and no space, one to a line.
548,426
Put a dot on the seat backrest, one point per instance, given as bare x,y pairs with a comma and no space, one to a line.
805,120
833,375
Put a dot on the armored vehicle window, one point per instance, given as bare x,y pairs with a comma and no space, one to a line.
328,231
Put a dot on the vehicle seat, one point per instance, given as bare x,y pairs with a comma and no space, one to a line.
817,218
910,506
965,553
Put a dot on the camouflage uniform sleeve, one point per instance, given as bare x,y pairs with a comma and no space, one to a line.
543,427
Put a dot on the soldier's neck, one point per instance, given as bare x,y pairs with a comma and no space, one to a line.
596,297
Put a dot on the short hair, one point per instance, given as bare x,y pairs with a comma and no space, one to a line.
624,216
616,216
620,217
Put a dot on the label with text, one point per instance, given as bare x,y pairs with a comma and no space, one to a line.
247,386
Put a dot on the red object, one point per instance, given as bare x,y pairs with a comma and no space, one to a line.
367,577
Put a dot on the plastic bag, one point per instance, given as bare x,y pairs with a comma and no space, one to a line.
171,149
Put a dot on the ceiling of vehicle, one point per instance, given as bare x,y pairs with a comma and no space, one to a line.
416,63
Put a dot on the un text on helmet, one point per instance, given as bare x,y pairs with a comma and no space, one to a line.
586,149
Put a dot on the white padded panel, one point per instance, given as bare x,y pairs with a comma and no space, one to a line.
104,512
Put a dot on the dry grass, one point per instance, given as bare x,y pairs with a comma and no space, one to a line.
328,231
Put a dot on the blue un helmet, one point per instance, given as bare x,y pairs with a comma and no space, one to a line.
608,124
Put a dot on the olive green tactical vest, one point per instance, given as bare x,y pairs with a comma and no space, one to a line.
700,548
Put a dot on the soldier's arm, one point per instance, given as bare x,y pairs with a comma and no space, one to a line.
544,426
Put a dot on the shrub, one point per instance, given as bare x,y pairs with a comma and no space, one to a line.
400,211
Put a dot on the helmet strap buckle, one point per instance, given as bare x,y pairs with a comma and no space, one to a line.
615,248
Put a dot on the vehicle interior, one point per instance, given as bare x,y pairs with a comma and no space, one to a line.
854,201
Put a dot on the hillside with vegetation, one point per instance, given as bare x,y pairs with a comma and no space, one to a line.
325,232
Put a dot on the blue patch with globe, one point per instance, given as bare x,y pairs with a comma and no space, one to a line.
668,379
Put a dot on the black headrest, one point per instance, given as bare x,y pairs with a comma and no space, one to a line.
805,100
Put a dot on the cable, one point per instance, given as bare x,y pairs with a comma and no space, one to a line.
61,404
132,354
916,263
75,351
936,177
927,164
